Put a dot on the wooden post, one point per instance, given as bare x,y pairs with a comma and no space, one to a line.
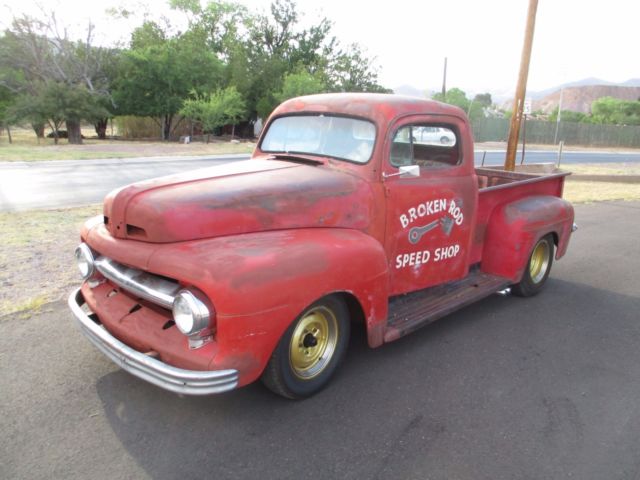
524,137
521,89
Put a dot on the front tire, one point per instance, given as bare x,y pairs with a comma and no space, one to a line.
538,269
310,350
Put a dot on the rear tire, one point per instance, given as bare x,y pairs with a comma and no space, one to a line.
310,351
537,270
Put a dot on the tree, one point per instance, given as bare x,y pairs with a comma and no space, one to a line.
38,52
300,83
223,107
57,103
458,97
483,99
6,102
569,116
154,80
614,111
453,96
353,71
260,50
219,23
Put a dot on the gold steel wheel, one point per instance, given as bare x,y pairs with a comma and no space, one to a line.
539,262
313,342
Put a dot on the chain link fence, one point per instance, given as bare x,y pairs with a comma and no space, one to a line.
540,132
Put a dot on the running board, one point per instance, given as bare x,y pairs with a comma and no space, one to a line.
409,312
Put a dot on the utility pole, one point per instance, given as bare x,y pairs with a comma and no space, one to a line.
521,89
444,80
558,119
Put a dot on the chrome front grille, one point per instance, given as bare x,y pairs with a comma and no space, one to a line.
153,288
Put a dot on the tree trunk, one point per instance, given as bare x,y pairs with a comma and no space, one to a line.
39,129
9,133
233,131
73,129
101,128
166,128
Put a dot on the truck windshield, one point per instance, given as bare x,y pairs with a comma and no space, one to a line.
339,137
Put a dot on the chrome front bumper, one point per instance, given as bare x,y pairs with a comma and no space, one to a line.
178,380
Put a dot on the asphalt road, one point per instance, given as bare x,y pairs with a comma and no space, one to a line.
496,157
70,183
509,388
29,185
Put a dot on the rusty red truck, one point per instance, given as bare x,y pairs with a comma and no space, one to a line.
353,208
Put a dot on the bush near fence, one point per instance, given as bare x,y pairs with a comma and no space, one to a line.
541,132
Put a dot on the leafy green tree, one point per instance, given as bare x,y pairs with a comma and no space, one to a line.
56,103
483,99
36,53
220,24
353,71
614,111
233,107
223,107
154,80
454,96
261,50
569,116
300,83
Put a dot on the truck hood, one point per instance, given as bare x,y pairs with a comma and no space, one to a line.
235,198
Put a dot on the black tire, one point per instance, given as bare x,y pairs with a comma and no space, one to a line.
537,270
310,351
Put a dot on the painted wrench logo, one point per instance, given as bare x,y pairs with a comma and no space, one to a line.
416,233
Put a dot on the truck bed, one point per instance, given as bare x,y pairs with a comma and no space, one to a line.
493,178
497,187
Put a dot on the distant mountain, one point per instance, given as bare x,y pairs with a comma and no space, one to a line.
577,95
580,98
591,81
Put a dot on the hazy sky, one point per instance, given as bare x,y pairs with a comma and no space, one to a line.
482,39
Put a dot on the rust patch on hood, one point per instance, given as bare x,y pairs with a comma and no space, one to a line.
251,196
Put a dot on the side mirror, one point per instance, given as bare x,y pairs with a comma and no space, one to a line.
410,171
405,172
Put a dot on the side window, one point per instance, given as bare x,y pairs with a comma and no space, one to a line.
428,146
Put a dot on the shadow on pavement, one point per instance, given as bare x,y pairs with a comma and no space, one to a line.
506,388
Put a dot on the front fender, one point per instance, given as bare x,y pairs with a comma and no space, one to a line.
515,227
260,282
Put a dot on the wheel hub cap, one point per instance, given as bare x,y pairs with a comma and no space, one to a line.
313,342
539,262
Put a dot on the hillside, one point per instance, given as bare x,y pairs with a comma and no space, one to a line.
579,99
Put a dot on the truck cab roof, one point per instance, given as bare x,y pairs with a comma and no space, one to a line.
380,107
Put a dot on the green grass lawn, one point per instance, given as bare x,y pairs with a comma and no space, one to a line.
27,148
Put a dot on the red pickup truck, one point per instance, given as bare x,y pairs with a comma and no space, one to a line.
350,210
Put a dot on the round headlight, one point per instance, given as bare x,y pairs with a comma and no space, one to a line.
84,259
190,314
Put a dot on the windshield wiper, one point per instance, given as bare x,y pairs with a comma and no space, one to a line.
291,157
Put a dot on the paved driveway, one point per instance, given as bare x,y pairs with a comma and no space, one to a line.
511,388
70,183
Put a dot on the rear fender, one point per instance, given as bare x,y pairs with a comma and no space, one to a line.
515,227
260,282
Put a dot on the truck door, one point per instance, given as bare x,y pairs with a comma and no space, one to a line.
430,217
